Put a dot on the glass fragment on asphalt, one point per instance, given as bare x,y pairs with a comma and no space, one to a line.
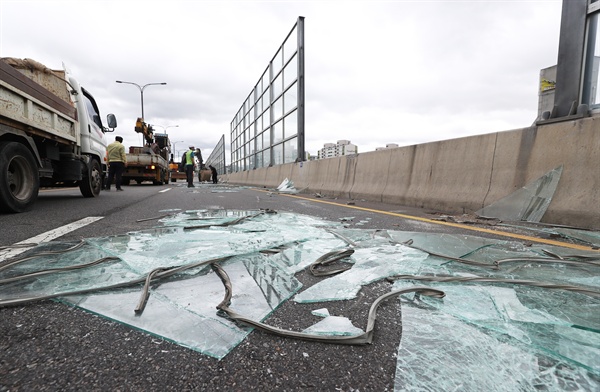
481,334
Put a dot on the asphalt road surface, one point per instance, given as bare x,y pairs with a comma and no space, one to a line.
49,346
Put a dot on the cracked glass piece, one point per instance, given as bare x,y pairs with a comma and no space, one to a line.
439,352
182,308
287,186
184,311
481,336
510,336
334,326
509,311
370,265
323,312
299,256
591,238
528,203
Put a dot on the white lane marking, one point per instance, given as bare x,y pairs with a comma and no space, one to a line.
165,190
47,237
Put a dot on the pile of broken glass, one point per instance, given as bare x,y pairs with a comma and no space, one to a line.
514,317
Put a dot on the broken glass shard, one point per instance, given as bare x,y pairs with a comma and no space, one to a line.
439,352
494,334
528,203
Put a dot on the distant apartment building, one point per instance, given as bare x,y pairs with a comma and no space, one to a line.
342,147
389,145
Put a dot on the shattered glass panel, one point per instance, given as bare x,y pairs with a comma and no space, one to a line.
515,317
592,238
439,352
528,203
184,311
371,264
529,324
264,251
287,186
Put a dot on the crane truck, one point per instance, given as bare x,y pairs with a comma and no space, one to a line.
150,162
51,134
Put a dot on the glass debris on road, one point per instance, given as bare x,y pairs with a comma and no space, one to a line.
514,317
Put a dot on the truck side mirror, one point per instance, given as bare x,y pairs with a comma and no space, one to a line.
112,121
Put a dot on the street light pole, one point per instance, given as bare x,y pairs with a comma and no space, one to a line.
175,143
167,127
141,88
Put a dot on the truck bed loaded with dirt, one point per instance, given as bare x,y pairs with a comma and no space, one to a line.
51,134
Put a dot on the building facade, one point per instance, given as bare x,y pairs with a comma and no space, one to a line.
342,147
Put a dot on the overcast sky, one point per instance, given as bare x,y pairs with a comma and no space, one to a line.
377,72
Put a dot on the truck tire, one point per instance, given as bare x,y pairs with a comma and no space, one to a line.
19,178
91,185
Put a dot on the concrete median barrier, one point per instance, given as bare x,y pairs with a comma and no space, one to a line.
462,175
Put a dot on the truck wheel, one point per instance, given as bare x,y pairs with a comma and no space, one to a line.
90,186
19,177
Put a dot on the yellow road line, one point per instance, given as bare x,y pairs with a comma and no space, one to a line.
458,225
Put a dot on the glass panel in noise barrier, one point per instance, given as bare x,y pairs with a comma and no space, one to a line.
290,72
278,109
258,104
255,94
278,154
259,141
265,80
259,122
267,157
290,99
265,100
278,61
277,132
290,124
266,137
259,159
290,45
290,149
277,86
258,88
593,64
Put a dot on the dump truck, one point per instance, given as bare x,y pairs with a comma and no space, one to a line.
51,134
149,162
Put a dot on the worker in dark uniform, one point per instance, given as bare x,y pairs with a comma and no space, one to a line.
213,171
